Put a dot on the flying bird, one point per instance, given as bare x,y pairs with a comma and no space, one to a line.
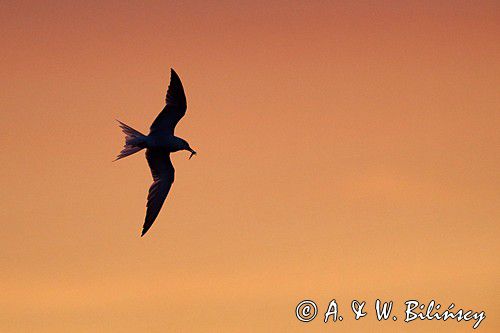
159,143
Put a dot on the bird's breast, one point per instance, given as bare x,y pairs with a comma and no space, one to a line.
162,141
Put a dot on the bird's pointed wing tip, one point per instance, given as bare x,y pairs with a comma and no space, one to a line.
173,73
145,229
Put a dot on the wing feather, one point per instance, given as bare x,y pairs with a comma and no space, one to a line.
174,109
163,172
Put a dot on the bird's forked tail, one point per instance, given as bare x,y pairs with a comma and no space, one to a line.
134,141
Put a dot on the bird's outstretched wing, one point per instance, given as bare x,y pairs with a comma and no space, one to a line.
174,109
163,177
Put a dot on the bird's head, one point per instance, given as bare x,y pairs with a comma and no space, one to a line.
185,146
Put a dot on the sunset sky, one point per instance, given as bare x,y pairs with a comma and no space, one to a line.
346,150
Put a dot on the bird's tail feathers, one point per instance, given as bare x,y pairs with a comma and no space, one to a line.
134,141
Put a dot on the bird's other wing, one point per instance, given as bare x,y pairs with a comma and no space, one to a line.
162,171
174,109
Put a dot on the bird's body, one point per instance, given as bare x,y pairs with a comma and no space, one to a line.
170,142
159,143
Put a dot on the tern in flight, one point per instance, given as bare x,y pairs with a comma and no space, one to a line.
159,143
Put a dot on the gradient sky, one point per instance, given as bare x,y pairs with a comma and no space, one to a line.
346,150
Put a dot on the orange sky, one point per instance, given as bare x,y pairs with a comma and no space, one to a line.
346,151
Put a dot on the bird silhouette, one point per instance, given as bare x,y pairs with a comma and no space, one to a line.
159,143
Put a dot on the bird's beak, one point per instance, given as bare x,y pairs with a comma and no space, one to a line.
192,153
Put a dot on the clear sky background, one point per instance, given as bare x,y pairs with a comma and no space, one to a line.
346,150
